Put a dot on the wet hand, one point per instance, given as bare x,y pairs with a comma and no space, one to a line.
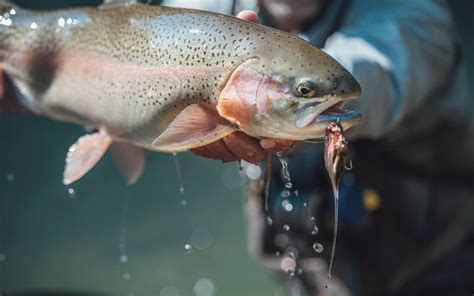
238,145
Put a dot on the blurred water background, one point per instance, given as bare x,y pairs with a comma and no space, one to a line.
100,236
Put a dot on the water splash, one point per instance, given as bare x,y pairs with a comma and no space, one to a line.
268,179
318,248
285,173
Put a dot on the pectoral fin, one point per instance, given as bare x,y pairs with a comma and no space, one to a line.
84,155
130,160
195,126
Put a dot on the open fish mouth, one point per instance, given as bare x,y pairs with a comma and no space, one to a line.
327,112
335,113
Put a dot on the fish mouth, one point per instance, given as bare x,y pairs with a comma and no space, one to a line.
326,112
335,113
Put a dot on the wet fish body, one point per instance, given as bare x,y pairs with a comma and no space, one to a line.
168,79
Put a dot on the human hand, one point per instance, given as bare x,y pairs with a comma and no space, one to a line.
238,145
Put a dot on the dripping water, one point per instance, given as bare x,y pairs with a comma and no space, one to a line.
335,190
268,179
180,178
123,240
285,173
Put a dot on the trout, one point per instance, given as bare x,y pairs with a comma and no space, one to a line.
167,79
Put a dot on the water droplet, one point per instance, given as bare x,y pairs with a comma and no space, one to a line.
188,248
253,171
277,253
72,193
286,227
288,265
204,287
184,202
34,26
10,178
313,219
201,239
297,193
326,286
285,173
300,271
241,167
61,22
126,276
287,205
285,193
269,220
318,248
123,259
3,257
178,174
315,230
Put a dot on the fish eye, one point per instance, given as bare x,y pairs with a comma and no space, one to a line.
306,89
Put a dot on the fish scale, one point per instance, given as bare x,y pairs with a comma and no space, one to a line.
169,79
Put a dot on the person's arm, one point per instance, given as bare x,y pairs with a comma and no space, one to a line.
400,52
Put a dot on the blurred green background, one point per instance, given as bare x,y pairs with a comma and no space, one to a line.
52,240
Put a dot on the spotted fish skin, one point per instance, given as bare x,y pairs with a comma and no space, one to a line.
131,69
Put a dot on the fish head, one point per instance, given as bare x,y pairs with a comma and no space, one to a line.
289,95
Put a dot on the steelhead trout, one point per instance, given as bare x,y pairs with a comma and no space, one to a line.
167,79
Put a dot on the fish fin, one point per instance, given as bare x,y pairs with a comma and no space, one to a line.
195,126
238,99
130,160
235,111
84,155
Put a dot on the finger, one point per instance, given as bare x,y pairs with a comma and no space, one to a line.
244,147
216,150
249,16
276,144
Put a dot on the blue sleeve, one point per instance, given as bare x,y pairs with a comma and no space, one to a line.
399,51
